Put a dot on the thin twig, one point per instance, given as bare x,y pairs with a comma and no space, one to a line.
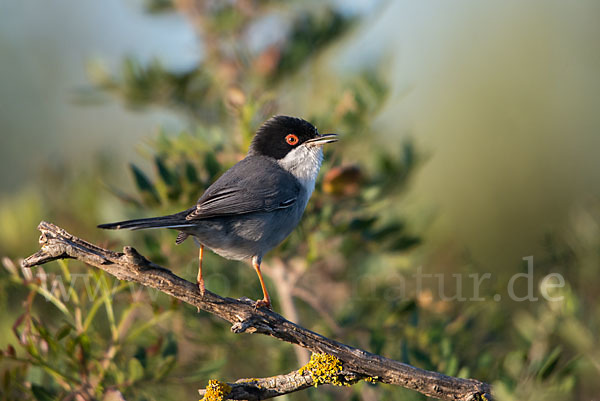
56,243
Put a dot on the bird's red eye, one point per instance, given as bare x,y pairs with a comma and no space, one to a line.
291,139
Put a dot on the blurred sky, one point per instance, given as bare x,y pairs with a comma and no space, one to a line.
44,49
503,96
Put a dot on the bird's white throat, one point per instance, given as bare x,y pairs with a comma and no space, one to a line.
304,163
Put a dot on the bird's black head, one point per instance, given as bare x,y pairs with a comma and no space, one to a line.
281,134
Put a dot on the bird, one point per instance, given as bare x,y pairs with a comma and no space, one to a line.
257,203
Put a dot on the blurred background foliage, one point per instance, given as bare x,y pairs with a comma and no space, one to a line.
347,271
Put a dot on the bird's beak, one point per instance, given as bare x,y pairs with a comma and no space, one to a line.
322,140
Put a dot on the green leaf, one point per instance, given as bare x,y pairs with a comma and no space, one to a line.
206,369
361,224
387,231
170,348
169,178
141,355
135,369
63,332
403,243
452,366
166,367
41,394
190,173
145,186
549,364
45,334
86,344
211,165
139,329
163,171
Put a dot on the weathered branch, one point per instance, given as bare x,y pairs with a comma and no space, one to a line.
268,387
56,243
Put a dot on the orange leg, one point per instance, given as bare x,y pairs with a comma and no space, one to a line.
200,280
266,301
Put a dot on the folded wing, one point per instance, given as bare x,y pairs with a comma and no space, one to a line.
255,184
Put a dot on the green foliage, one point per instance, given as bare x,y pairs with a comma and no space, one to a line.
95,334
309,34
348,264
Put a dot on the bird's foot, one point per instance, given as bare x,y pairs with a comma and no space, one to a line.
262,303
201,288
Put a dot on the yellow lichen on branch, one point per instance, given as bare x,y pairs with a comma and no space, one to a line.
216,391
324,369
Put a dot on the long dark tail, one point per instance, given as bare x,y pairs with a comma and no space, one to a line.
171,221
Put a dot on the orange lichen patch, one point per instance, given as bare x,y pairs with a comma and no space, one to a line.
324,369
216,391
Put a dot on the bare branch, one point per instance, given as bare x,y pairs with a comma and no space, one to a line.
268,387
56,243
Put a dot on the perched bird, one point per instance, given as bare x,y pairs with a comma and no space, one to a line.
255,204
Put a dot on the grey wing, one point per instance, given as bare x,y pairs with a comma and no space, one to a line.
255,184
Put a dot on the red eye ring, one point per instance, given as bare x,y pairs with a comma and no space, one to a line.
291,139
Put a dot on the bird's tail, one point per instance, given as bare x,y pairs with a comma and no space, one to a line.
171,221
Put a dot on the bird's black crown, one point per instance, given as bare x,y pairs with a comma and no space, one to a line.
280,134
